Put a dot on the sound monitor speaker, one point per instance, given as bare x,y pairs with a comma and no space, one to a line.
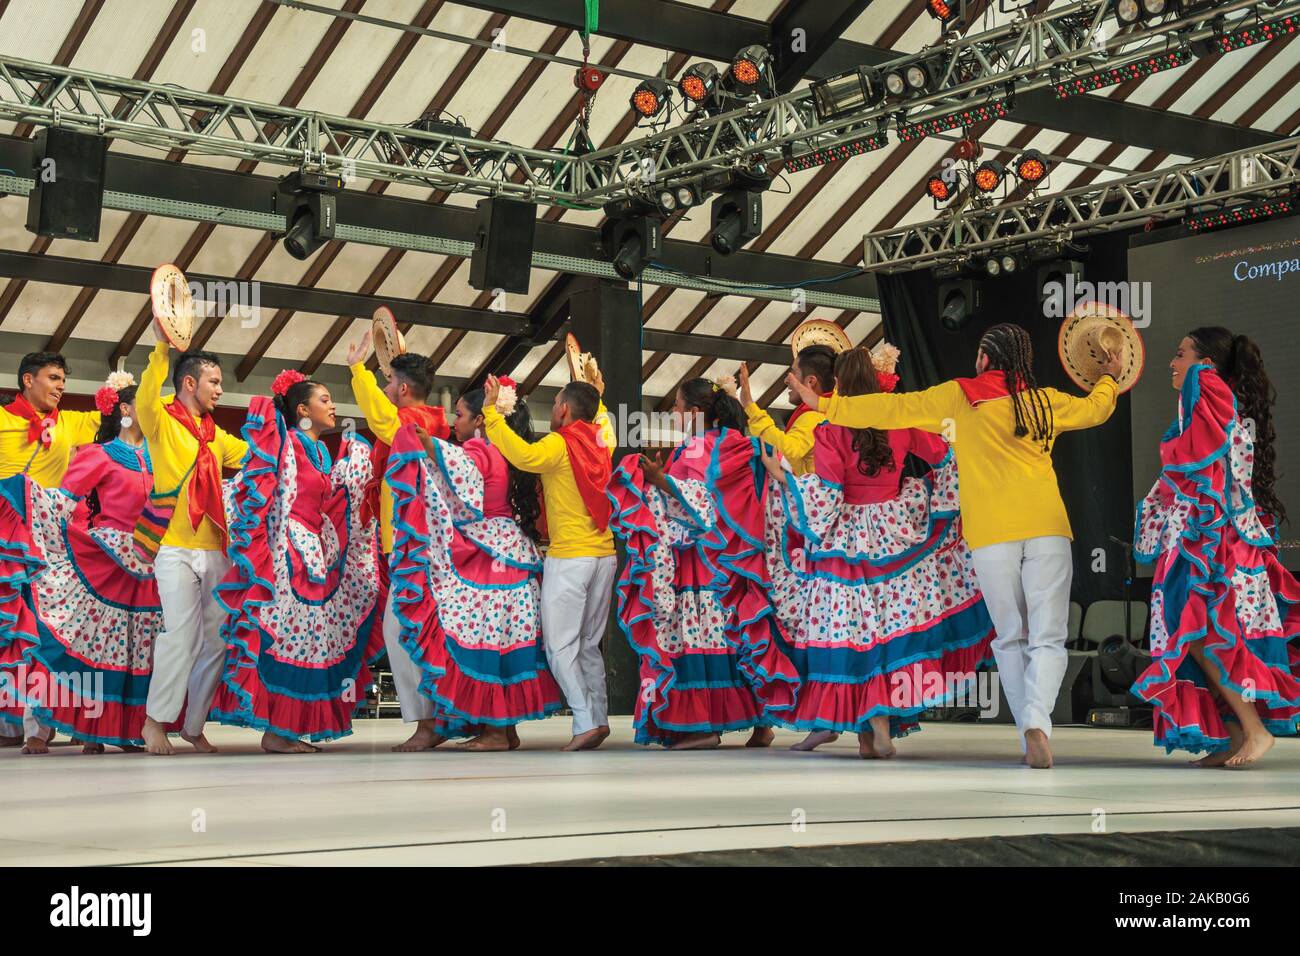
68,198
503,245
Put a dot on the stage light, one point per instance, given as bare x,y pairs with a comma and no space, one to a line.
737,217
650,98
846,93
629,243
917,77
1128,11
895,84
667,200
984,113
1153,8
959,302
747,66
1120,663
1031,167
938,189
946,270
308,203
1255,35
1252,212
1010,264
942,10
698,82
832,154
989,175
993,266
686,196
1155,63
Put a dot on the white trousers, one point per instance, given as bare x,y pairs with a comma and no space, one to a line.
1026,587
406,673
575,610
189,653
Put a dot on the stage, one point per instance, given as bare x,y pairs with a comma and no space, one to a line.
357,804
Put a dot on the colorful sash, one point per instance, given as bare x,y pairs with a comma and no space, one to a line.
155,519
591,469
36,422
986,386
431,418
205,490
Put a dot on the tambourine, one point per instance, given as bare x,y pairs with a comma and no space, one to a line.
389,341
173,305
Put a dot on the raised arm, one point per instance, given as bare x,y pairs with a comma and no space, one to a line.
930,410
1071,413
602,423
381,414
795,444
148,395
540,457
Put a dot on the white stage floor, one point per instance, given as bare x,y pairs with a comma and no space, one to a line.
357,804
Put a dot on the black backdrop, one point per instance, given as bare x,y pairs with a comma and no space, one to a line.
1092,466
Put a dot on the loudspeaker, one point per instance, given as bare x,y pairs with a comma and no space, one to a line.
1059,278
503,245
69,194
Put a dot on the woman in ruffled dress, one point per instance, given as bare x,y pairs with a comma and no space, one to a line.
891,621
693,597
301,596
466,576
1224,611
71,551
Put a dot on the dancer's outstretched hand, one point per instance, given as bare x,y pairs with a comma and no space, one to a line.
491,390
653,469
806,394
771,460
358,351
1113,366
742,378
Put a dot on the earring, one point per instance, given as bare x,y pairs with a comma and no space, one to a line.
127,421
304,424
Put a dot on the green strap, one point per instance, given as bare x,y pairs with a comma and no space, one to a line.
592,18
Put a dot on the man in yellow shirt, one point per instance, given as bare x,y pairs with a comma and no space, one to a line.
1002,426
37,439
815,367
574,461
188,451
402,401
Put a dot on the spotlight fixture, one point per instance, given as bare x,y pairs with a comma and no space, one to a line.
698,81
1255,35
307,201
942,10
1128,11
917,77
895,84
846,93
650,98
1010,263
1155,63
993,266
1031,167
748,65
942,189
989,175
672,198
959,302
629,242
737,217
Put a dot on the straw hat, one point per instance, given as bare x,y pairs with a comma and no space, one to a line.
389,341
582,365
173,305
1088,333
819,332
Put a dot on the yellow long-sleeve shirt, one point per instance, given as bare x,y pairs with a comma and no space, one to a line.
381,417
573,533
174,451
47,465
795,443
1008,487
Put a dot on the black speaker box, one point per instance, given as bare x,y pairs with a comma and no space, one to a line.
69,194
503,245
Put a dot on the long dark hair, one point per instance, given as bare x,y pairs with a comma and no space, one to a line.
1238,360
855,375
524,503
299,393
110,425
1010,350
720,409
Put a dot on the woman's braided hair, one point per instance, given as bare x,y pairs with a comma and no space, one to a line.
1010,350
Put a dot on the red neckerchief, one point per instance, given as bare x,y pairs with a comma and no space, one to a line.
431,418
204,496
36,422
800,409
591,468
986,386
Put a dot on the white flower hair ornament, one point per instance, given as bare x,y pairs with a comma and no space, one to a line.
507,397
118,381
884,357
726,383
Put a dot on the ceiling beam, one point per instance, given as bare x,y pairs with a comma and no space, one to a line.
803,32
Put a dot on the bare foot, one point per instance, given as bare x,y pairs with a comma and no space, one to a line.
815,740
883,746
492,740
1221,757
89,748
761,737
698,742
275,744
199,742
424,738
1256,746
512,736
35,745
865,749
8,741
587,740
155,738
1038,754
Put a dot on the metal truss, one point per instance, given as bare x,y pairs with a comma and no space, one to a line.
970,72
1196,187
